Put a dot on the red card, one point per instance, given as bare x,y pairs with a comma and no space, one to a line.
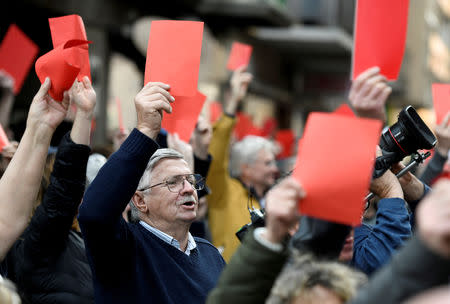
286,139
173,55
184,116
269,127
215,111
120,116
67,28
245,126
62,65
17,54
441,100
345,110
3,139
380,36
239,56
334,164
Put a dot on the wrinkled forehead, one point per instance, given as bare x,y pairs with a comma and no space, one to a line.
169,167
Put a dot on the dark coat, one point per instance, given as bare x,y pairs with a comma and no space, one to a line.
48,263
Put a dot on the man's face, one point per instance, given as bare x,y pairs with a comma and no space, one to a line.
166,207
263,171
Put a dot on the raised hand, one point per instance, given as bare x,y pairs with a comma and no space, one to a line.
150,103
201,138
281,209
84,97
45,111
239,85
442,132
368,94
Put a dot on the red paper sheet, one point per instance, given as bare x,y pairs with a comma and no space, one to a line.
441,100
269,127
334,164
380,36
17,54
67,28
173,55
120,116
245,126
215,111
286,139
345,110
62,65
184,116
240,55
3,139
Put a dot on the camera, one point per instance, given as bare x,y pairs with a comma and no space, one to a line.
403,138
257,220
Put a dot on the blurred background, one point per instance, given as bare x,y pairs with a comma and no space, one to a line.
301,58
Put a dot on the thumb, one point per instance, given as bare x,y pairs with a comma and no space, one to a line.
43,90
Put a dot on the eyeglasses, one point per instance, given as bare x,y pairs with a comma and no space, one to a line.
176,183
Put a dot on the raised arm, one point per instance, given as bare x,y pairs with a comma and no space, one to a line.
373,247
436,165
6,98
100,218
219,148
50,225
24,173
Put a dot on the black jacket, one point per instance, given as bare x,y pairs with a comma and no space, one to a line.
48,263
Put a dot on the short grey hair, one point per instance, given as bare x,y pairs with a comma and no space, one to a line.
159,155
246,152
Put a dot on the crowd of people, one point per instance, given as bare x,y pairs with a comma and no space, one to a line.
157,220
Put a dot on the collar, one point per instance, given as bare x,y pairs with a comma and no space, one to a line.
191,245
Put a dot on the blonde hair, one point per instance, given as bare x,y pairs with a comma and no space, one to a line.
301,275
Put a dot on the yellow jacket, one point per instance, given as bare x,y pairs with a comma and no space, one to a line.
227,203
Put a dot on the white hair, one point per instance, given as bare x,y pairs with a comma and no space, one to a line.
145,180
246,152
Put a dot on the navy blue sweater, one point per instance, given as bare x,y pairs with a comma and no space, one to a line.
129,263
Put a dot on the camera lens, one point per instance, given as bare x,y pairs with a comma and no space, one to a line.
407,135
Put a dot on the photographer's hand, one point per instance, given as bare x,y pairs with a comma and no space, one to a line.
413,188
387,185
368,94
281,209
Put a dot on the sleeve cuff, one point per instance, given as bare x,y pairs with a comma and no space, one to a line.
257,234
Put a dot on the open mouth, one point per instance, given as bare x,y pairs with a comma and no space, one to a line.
188,204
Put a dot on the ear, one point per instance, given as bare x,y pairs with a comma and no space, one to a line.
138,201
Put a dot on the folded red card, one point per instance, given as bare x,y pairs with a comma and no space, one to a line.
239,56
380,36
184,116
345,110
67,28
286,139
3,139
62,65
173,55
17,54
334,164
441,100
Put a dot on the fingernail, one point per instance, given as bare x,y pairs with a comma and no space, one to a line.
167,86
172,98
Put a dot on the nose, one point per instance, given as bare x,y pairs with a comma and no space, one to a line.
187,187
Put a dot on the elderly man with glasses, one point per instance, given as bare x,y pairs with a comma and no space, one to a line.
155,260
